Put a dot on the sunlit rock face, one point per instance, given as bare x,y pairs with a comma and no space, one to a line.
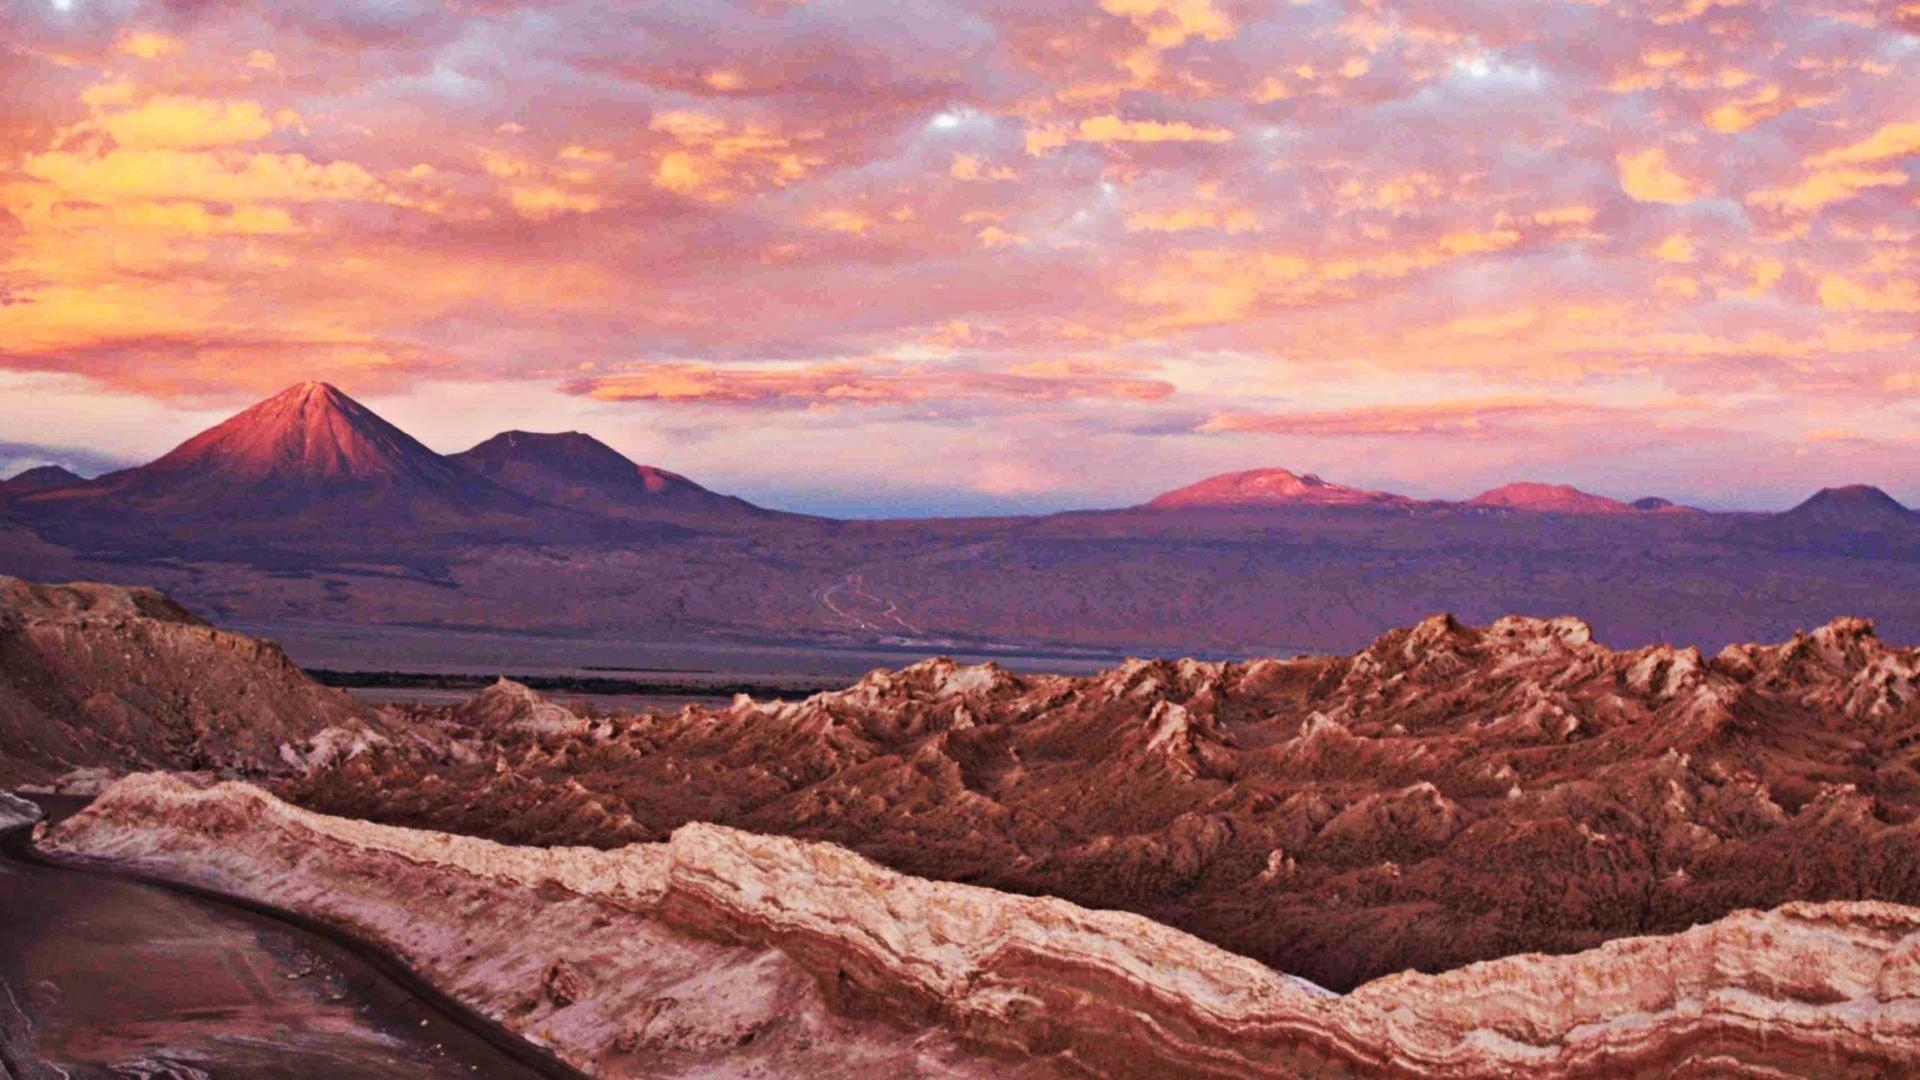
1449,794
718,952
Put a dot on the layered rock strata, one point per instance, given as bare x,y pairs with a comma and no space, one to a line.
720,952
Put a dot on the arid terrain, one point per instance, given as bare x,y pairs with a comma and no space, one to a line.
721,953
309,509
100,678
1594,862
1196,866
1450,794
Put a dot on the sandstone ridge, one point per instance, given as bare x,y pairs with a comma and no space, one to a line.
1833,987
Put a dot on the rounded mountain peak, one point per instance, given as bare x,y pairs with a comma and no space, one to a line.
1270,487
1548,499
1856,501
41,478
567,455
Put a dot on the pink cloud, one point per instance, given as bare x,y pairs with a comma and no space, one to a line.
1477,419
1526,211
863,383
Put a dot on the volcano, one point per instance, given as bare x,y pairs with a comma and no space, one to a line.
580,472
1266,488
1858,520
1851,507
307,468
1549,499
44,478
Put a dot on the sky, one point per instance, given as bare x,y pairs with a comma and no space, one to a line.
963,257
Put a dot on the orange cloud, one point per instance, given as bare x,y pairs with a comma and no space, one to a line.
1843,173
540,192
852,222
1895,140
1733,117
1190,218
187,123
1169,24
711,159
1649,176
147,45
858,383
974,167
1213,286
1111,129
1896,296
1678,248
1474,418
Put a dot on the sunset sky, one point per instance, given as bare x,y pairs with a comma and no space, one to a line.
936,255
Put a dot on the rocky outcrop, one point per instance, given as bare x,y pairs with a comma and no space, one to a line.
719,952
113,679
512,706
1450,794
16,812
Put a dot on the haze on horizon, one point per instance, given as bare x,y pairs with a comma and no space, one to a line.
966,257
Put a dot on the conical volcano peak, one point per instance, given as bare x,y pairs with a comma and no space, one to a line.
309,430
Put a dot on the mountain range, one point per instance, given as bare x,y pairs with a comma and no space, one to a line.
310,508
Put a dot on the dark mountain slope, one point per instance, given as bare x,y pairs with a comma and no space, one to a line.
582,473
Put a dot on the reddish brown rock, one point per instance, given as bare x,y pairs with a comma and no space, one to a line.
1450,794
112,679
725,953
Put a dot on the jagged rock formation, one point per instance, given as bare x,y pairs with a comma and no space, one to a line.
720,952
112,679
1448,795
510,706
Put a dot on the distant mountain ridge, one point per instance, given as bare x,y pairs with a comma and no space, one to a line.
1275,488
309,509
